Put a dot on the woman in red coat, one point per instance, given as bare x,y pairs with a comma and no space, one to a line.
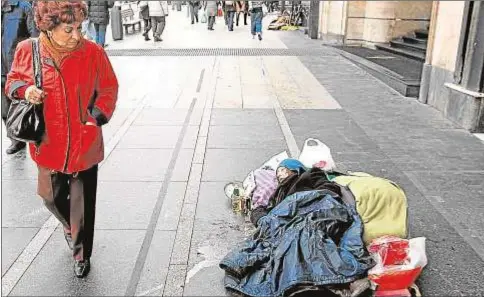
79,93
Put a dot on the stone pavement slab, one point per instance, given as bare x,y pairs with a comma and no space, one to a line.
17,239
133,200
51,272
21,207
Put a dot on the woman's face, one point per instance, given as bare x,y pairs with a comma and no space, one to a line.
67,35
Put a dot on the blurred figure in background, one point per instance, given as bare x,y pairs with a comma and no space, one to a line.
194,6
256,18
17,24
211,9
98,13
144,13
242,7
158,11
230,13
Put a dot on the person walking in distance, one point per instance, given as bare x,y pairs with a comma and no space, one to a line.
211,8
99,16
17,25
158,11
79,93
242,8
256,18
230,11
194,7
144,13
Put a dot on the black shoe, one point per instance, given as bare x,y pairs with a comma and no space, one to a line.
68,237
82,268
158,39
145,34
15,147
260,37
147,38
193,23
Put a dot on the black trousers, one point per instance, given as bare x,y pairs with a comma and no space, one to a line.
71,198
238,16
5,105
147,23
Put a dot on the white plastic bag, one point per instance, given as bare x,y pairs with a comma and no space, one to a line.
316,154
274,162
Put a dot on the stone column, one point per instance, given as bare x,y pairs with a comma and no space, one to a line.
313,24
379,18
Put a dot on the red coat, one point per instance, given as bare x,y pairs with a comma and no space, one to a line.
82,89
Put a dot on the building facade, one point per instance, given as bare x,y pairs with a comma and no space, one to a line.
452,52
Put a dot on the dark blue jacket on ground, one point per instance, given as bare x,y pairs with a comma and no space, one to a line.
310,238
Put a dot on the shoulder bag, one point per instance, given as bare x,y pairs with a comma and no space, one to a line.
25,120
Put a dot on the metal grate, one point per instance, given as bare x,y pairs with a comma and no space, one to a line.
218,52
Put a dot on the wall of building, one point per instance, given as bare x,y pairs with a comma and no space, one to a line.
333,21
369,22
444,51
444,92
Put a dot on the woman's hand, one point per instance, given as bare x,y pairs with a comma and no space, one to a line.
34,95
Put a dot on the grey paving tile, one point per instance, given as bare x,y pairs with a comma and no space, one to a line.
172,206
21,167
347,139
234,164
150,116
270,137
136,165
450,189
175,281
155,270
191,136
318,118
183,238
209,246
150,137
182,166
125,205
243,117
14,240
214,209
21,206
208,282
114,256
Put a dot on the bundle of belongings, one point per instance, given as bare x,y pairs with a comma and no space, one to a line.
314,227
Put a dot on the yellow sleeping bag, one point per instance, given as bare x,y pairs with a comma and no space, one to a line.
381,203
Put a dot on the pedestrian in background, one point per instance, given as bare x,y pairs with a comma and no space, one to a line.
17,25
194,8
257,14
99,16
242,8
144,12
211,9
158,11
79,93
88,30
230,12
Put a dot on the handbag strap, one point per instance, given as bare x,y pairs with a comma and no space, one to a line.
36,63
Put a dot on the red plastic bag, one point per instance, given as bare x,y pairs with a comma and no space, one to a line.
399,262
391,249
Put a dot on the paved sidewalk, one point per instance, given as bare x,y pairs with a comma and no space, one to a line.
185,126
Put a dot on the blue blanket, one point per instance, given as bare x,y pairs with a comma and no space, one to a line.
310,238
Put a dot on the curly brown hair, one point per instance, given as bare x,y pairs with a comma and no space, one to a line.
49,14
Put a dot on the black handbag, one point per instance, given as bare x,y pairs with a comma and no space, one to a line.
25,120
